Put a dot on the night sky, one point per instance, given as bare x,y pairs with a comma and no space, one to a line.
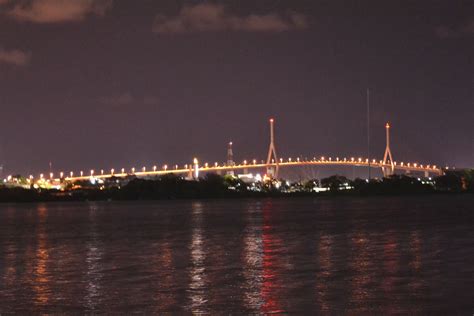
100,84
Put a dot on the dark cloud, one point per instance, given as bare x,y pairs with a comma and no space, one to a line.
55,11
14,57
209,17
127,98
466,29
118,100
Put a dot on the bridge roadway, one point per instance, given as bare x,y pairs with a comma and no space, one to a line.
190,170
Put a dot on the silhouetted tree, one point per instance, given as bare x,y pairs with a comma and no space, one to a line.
334,183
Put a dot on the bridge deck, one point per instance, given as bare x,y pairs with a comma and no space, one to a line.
245,166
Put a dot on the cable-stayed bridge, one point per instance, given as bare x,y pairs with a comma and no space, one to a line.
271,166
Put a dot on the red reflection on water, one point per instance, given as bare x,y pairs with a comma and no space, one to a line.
324,272
390,257
361,282
164,270
271,247
416,283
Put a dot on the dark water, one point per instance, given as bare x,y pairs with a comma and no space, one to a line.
306,256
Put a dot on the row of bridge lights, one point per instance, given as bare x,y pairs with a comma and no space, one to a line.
245,162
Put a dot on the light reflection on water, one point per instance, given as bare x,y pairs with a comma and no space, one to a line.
41,280
252,258
239,257
197,287
94,256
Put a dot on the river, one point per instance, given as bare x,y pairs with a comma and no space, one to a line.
391,255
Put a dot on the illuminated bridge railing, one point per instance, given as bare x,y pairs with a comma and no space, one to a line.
246,165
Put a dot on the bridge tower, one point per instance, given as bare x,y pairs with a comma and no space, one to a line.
230,159
195,168
388,154
272,158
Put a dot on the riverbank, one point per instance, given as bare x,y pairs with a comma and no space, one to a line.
214,186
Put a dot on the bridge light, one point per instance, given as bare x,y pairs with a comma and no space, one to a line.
82,173
289,159
71,174
408,164
352,158
330,159
216,164
281,160
31,177
186,166
206,165
154,168
415,164
367,160
123,170
41,176
360,159
176,167
322,158
144,169
373,160
61,175
298,159
245,161
112,171
434,166
255,161
166,166
133,170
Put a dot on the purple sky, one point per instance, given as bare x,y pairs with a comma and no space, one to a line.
101,83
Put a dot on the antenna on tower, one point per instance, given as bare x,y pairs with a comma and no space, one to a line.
272,170
368,130
388,154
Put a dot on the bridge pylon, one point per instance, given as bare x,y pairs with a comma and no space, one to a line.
230,158
272,158
387,157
